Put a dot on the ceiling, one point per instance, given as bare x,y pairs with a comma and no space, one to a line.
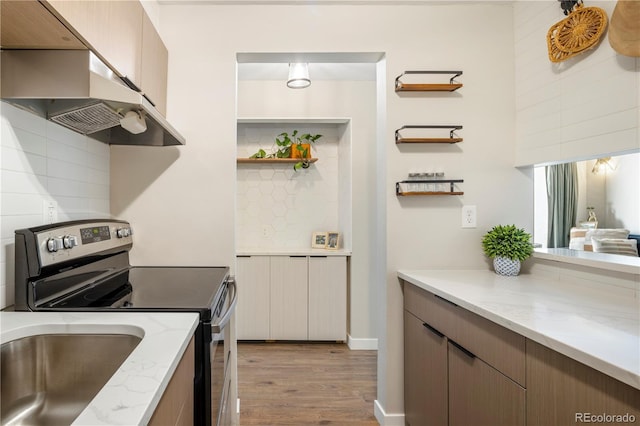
317,71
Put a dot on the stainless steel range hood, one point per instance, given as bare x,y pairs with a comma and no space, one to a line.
75,89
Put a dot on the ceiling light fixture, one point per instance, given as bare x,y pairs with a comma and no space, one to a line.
298,76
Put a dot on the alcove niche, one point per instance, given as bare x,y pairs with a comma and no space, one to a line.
278,208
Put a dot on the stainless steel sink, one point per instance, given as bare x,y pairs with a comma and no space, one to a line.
50,379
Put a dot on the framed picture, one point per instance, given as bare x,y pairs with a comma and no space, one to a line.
333,240
319,240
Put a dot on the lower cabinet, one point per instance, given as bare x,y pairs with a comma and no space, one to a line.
176,405
563,391
481,395
291,297
289,293
461,369
425,374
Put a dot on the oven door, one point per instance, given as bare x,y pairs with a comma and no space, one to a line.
220,355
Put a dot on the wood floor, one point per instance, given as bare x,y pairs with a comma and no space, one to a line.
305,384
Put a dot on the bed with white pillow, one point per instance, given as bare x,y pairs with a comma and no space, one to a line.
604,240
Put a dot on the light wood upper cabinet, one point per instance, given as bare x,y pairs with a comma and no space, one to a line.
155,60
27,24
111,29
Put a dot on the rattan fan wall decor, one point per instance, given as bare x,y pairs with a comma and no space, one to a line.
579,31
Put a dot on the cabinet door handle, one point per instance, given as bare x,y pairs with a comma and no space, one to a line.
298,256
320,257
433,330
243,255
465,351
445,300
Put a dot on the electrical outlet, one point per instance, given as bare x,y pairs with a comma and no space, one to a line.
49,211
468,216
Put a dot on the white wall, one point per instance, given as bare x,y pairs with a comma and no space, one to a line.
42,161
356,100
194,191
581,108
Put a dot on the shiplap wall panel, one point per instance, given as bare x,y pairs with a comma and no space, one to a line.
583,107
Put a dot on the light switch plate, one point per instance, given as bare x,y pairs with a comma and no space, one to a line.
468,216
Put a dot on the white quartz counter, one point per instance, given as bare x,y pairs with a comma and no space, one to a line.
133,392
598,327
292,252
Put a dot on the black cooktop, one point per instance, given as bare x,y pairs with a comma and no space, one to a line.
157,288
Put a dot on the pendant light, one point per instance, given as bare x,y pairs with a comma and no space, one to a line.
298,76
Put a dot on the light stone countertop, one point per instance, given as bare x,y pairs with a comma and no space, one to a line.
291,252
598,327
133,392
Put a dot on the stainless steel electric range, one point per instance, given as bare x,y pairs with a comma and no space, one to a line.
84,266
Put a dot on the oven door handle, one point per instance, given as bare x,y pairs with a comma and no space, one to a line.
222,322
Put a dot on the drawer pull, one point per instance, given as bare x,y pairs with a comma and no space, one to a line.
445,300
465,351
433,330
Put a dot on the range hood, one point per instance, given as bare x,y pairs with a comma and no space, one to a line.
76,90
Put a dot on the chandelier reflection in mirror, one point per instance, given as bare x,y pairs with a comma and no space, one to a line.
602,165
298,76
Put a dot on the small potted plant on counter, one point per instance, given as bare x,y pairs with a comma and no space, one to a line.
508,246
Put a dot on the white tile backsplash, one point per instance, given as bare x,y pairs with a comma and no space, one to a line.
278,207
39,161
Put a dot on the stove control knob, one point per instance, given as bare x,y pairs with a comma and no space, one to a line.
54,244
69,241
123,232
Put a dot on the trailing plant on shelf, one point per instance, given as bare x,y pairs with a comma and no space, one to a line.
292,145
508,246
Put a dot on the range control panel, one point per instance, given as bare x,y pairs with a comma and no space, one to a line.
73,240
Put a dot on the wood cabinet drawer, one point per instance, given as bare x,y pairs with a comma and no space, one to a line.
497,346
436,312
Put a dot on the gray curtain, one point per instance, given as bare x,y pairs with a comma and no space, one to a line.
562,195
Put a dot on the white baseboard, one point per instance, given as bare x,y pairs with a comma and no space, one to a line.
360,344
385,419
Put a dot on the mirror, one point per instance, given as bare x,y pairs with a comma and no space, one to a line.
608,191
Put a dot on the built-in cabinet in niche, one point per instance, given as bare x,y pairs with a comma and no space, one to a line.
296,297
462,369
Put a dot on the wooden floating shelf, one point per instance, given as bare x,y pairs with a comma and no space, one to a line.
450,139
428,140
428,87
410,194
405,87
273,160
451,182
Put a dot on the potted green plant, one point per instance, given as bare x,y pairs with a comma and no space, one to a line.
291,146
508,246
297,146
